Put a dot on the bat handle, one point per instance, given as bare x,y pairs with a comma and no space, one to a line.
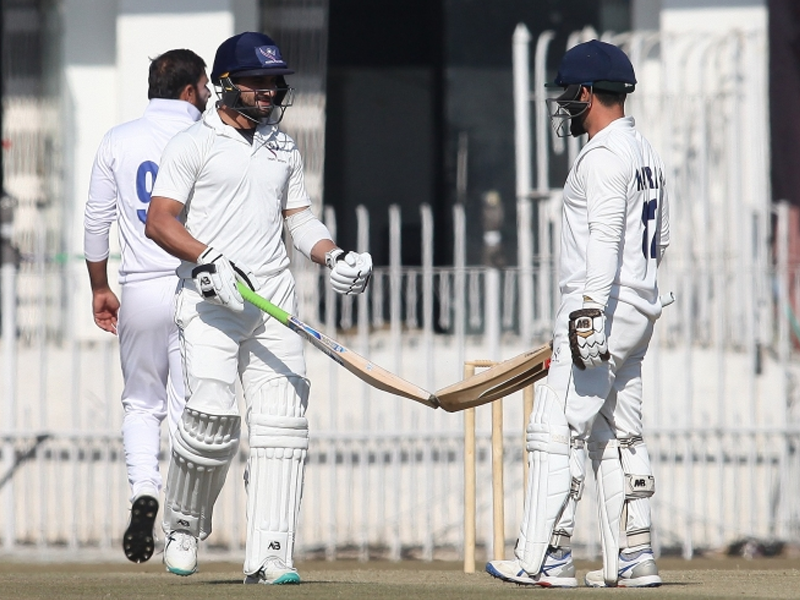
666,299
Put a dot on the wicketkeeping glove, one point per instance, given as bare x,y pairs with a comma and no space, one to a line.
587,335
350,273
215,279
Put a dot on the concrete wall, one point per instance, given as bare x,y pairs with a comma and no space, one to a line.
713,15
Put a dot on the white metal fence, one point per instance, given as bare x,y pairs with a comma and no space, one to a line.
385,475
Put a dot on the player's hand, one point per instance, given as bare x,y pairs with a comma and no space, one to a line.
587,335
350,273
215,279
105,306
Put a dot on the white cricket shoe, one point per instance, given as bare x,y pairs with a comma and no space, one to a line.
180,553
557,571
636,569
274,572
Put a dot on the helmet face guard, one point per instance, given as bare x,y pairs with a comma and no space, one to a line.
231,96
566,111
251,54
594,65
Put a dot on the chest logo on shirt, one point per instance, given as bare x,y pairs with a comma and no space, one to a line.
273,146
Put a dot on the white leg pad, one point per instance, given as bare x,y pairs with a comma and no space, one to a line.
577,468
640,485
274,477
202,451
549,478
604,452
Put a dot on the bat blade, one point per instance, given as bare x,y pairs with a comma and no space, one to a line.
364,369
501,380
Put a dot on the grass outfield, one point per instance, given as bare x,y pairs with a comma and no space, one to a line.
408,580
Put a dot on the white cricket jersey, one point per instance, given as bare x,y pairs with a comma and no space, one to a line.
124,170
615,219
234,192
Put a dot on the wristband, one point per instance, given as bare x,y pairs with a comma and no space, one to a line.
333,256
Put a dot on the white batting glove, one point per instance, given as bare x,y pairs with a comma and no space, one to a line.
350,273
215,279
587,335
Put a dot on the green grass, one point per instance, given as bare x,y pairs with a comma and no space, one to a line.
408,580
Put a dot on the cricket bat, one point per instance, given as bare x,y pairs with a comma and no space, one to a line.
501,380
359,366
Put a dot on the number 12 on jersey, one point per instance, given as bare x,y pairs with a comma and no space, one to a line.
649,210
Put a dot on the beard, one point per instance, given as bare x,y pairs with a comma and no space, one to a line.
577,125
250,108
257,113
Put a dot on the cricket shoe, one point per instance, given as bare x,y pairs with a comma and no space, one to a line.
180,553
274,572
138,541
636,569
557,571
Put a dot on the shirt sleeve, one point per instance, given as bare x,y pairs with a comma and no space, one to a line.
607,179
179,168
663,240
100,211
295,195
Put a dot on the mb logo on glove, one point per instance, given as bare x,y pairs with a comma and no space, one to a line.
587,336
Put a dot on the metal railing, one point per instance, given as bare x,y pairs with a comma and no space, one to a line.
385,475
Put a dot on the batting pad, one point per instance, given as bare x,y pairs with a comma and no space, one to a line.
549,478
640,485
274,477
202,451
604,452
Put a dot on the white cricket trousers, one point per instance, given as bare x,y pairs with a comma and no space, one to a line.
152,374
613,389
220,345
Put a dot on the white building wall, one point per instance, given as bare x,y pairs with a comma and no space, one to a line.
680,16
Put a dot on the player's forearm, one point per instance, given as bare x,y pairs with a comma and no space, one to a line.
320,249
311,237
175,240
98,274
602,263
165,230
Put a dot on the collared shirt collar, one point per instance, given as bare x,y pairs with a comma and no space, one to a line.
158,107
213,120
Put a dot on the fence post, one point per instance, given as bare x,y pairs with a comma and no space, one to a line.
522,145
9,307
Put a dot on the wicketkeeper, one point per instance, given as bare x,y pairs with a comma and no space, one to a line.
615,229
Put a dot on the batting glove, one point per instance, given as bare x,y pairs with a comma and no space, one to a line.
587,335
350,273
215,279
